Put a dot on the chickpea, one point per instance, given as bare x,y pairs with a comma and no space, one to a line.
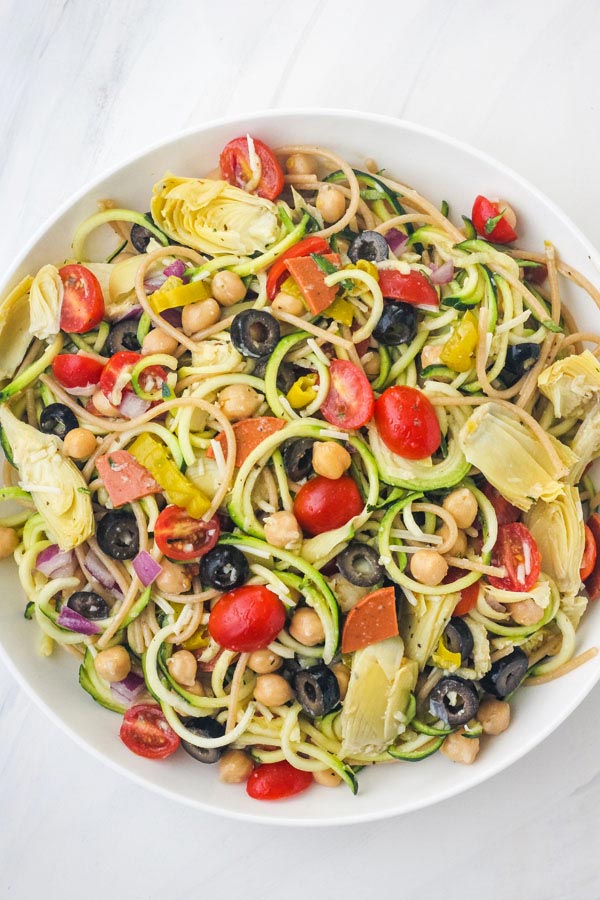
156,341
272,690
306,627
263,662
431,355
239,401
183,667
331,203
494,716
103,406
510,216
289,304
282,530
301,164
79,443
525,612
9,541
196,688
462,506
198,316
371,363
235,767
330,459
228,288
173,579
327,778
113,664
428,567
460,749
342,674
459,547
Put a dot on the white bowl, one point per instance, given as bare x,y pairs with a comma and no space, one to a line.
442,169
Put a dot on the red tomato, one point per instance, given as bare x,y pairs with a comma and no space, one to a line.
505,511
349,402
483,215
275,781
590,552
115,379
247,618
407,422
182,537
468,599
278,271
83,304
518,552
412,288
76,372
235,167
592,582
323,504
146,732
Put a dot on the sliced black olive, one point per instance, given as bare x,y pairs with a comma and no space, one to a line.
117,535
89,605
359,564
224,568
297,458
506,674
454,701
317,689
140,237
458,637
208,728
122,336
58,419
255,333
397,325
519,360
286,373
368,245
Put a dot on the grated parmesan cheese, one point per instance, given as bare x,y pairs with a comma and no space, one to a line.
219,459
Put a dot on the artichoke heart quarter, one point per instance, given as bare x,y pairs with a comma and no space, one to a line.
558,529
15,334
571,384
512,458
56,485
45,301
214,217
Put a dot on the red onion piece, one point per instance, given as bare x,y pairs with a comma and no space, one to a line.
55,563
396,240
172,316
154,283
68,618
133,313
98,571
146,567
176,268
132,406
442,274
129,689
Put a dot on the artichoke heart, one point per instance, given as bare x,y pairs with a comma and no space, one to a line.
586,443
216,357
571,384
574,607
422,625
15,336
512,458
379,690
558,529
56,485
214,217
45,301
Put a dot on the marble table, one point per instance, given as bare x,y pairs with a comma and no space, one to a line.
84,85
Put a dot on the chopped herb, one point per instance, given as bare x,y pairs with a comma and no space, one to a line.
82,490
493,221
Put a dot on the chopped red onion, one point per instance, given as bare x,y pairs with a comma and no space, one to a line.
132,406
396,239
68,618
55,563
172,316
146,567
442,274
176,268
154,283
133,313
98,571
129,689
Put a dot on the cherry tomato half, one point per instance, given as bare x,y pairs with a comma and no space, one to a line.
323,504
505,511
490,223
412,288
275,781
592,582
77,372
146,732
247,618
83,304
590,552
278,271
468,599
235,167
179,536
349,402
115,379
518,552
407,422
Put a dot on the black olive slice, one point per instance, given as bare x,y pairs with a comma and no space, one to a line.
58,419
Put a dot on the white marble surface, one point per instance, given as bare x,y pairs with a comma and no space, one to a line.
87,83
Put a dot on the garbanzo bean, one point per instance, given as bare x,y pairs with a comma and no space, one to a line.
198,316
428,567
156,341
9,541
306,627
173,579
330,459
102,405
330,203
462,506
183,667
239,401
79,443
113,664
272,690
301,164
289,304
228,288
342,674
235,767
327,778
282,530
263,662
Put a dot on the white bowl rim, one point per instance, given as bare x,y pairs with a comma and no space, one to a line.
478,776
